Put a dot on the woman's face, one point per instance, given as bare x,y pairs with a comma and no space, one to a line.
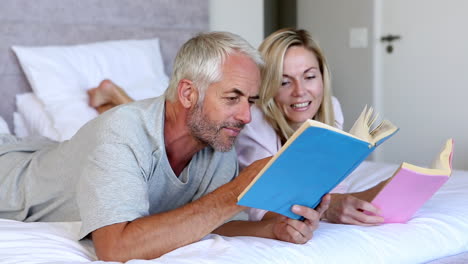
301,91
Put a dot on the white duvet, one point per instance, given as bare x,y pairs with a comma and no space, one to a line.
439,229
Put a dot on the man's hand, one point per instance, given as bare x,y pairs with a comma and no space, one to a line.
295,231
348,209
276,226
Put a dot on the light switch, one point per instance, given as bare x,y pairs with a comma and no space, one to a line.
358,37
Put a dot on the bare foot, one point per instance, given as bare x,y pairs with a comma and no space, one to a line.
107,95
102,108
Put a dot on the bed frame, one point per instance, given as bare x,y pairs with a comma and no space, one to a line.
65,22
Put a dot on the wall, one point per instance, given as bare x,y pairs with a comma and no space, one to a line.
330,23
243,17
424,81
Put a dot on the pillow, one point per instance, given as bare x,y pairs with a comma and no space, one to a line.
36,119
19,126
4,126
60,76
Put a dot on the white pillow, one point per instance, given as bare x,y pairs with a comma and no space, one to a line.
60,76
4,126
19,125
36,119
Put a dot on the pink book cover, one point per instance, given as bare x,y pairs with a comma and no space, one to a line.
406,193
408,190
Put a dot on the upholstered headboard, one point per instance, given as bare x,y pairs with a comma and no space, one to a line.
65,22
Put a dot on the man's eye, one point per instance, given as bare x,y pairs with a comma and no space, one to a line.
232,99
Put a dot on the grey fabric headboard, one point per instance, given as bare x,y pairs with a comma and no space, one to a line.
65,22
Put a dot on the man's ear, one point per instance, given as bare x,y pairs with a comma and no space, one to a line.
187,93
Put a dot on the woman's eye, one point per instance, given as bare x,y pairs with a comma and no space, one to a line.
310,77
284,83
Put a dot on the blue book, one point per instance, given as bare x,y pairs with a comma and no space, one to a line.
312,162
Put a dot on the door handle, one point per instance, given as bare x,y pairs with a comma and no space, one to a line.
389,38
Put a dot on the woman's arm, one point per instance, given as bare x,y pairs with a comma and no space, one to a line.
348,208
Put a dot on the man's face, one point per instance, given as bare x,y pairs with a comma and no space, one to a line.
226,107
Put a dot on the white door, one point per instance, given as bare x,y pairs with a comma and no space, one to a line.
424,81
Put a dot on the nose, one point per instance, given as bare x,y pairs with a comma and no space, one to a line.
298,89
244,114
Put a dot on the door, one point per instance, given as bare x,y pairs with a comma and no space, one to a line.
424,80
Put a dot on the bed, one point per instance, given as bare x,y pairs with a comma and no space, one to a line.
438,230
438,233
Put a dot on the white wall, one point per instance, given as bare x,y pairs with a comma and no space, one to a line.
425,80
330,23
242,17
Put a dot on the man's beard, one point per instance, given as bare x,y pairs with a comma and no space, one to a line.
208,132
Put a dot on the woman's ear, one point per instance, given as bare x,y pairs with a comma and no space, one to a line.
187,93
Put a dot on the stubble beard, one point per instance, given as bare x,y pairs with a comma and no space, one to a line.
208,132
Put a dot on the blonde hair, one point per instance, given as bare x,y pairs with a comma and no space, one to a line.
273,49
200,60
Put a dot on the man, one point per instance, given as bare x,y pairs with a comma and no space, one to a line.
151,176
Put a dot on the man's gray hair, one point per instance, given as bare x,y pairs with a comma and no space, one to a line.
200,60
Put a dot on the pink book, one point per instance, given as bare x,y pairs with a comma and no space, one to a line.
411,186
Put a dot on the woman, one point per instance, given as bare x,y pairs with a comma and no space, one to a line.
296,87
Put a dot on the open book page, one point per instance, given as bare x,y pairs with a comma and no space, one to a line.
315,123
367,129
444,160
442,164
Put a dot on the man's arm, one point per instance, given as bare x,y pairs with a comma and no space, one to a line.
280,227
152,236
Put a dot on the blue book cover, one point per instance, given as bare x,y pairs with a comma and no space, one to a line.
313,161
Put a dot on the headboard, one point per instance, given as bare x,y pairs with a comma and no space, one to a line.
65,22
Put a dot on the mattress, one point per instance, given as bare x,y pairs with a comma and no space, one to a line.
438,230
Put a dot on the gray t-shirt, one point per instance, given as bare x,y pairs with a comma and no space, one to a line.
114,169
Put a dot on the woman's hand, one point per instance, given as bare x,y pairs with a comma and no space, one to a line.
348,209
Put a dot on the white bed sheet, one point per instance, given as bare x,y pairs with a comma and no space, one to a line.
439,229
